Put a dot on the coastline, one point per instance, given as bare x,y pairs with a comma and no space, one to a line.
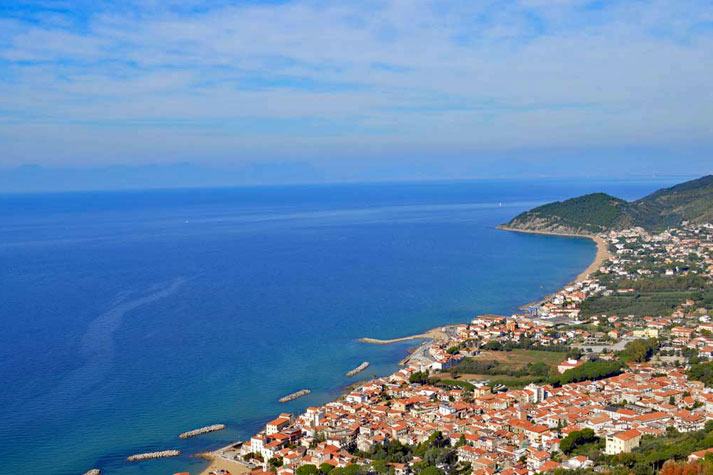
217,462
600,257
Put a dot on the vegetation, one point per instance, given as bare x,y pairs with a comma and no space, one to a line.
688,468
454,383
307,469
589,213
639,350
642,303
435,451
598,212
702,372
653,454
419,377
348,470
679,283
525,344
516,363
577,438
589,371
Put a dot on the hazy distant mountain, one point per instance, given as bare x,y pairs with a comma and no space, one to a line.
597,212
31,178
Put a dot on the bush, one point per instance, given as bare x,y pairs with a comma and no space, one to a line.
589,371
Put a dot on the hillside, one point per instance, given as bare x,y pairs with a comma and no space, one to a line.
598,212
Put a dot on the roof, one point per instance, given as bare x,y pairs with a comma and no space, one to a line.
278,421
627,434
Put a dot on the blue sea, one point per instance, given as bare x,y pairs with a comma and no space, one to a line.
130,317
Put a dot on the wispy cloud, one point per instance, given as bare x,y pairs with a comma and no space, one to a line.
82,82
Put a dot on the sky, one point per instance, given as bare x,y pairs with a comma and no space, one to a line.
310,91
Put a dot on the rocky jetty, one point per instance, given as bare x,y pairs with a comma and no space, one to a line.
154,455
202,430
293,396
358,369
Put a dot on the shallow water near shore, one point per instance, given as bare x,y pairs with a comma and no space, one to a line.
131,317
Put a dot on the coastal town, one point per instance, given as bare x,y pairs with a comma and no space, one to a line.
610,374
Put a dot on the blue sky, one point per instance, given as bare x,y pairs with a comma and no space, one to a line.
367,89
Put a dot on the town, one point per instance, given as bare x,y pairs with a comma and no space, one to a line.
611,374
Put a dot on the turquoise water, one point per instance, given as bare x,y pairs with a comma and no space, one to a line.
131,317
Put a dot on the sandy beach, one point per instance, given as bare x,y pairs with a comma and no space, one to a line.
602,249
219,463
602,255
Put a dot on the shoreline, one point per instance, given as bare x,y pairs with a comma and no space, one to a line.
601,256
217,462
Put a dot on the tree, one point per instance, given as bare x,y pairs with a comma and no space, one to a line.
380,466
307,469
577,438
589,371
702,372
431,470
325,468
352,469
418,377
640,350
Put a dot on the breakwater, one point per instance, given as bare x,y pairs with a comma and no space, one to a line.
94,471
295,395
154,455
358,369
202,430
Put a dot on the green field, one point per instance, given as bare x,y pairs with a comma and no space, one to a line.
517,364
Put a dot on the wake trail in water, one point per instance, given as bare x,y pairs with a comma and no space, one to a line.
98,349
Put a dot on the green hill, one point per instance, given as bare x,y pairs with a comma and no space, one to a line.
598,212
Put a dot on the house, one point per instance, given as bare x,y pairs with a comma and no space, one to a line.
569,364
622,442
276,425
701,454
682,333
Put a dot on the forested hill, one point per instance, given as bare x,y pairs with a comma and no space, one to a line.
597,212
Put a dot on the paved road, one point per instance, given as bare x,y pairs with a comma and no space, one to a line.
599,348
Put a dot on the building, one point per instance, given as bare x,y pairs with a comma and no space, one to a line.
646,333
275,426
622,442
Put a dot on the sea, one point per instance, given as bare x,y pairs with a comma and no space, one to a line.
129,317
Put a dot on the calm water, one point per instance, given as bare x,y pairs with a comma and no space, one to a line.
130,317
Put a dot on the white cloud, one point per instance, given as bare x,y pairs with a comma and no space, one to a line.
479,75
